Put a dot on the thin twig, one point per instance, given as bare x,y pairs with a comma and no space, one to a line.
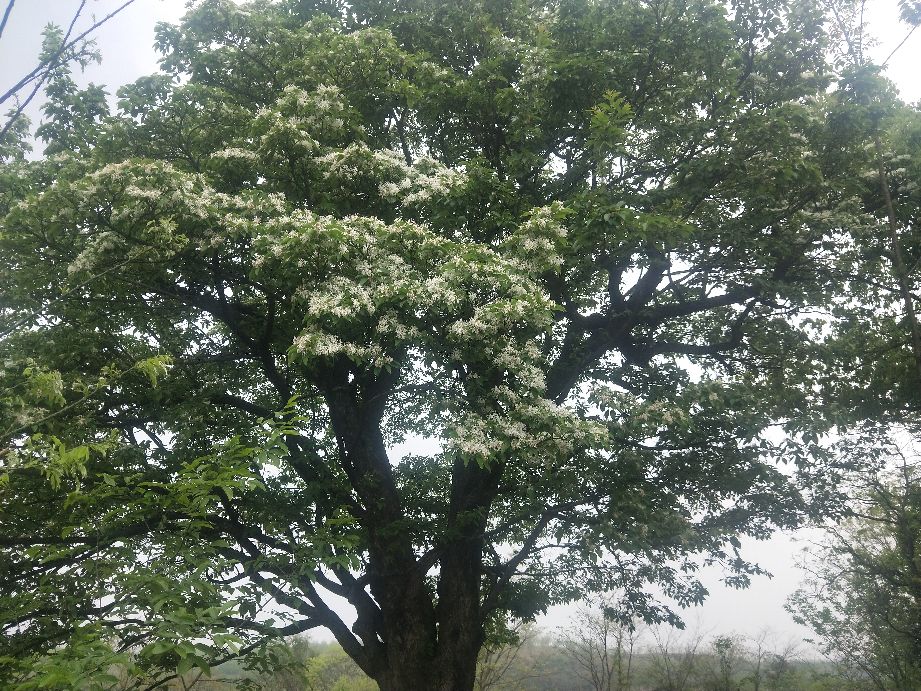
6,15
896,49
42,71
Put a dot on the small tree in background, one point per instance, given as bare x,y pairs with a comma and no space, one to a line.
724,665
674,662
499,666
770,665
602,646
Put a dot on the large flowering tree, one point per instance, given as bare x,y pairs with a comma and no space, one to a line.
449,310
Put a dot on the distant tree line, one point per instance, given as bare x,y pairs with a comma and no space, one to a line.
592,654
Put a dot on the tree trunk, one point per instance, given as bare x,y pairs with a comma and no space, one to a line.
460,615
422,659
447,661
420,647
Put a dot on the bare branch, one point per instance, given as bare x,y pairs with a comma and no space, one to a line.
42,71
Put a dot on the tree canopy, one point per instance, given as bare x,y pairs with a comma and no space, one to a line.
450,310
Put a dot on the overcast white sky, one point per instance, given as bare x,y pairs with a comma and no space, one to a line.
127,49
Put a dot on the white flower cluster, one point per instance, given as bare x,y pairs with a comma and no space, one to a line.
493,318
388,171
235,153
312,127
341,298
660,413
523,362
135,194
94,253
403,285
316,343
534,430
534,67
297,122
390,326
533,60
536,243
374,288
153,209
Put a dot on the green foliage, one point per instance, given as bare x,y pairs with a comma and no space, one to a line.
861,592
910,12
71,114
333,670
